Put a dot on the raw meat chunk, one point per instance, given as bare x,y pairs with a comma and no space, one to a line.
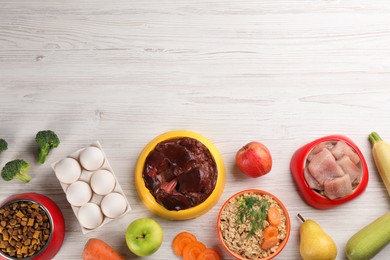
313,183
323,167
318,148
338,187
341,149
350,168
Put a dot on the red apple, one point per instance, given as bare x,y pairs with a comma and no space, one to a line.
254,159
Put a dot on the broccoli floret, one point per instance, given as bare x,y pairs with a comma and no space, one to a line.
16,169
47,140
3,145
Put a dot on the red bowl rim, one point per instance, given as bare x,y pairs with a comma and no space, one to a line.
280,203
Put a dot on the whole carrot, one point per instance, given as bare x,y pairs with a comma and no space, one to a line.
96,249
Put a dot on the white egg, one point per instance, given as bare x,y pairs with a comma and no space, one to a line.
91,158
78,193
90,216
68,170
113,205
102,182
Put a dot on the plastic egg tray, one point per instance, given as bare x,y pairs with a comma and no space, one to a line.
91,187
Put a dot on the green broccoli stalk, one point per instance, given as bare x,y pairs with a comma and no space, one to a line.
3,145
16,169
47,140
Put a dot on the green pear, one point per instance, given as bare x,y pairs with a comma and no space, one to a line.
315,244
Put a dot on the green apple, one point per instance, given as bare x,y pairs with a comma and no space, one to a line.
144,236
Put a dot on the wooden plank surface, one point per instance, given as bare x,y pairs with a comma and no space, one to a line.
123,72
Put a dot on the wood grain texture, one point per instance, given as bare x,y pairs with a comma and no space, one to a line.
122,72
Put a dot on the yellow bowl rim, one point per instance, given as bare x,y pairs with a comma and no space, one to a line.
194,212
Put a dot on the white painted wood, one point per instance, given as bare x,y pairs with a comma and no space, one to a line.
122,72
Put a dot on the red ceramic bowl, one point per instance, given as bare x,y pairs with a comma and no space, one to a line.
313,198
57,222
287,224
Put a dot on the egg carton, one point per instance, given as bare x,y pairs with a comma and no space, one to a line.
95,197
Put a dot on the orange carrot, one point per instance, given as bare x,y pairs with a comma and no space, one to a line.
208,254
273,216
98,249
269,232
269,243
192,250
180,241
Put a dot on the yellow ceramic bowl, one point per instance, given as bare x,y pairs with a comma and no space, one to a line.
194,212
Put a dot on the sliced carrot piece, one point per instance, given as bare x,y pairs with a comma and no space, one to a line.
208,254
273,216
192,250
270,231
181,240
269,243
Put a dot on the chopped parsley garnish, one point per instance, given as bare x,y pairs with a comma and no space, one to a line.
252,211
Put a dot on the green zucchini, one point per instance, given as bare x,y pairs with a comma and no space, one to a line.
371,239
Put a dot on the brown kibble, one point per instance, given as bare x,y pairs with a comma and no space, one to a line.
36,234
24,250
25,229
12,242
30,222
5,236
20,214
27,242
39,218
34,205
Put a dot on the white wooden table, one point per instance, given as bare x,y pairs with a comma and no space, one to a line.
122,72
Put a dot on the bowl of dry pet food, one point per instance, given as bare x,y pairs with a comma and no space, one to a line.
31,227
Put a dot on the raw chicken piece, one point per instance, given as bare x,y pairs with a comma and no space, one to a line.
341,149
354,172
313,183
338,187
318,148
323,167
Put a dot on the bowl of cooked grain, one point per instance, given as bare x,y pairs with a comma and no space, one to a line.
253,224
